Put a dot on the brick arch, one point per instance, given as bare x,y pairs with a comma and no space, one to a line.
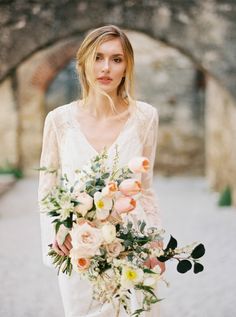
34,76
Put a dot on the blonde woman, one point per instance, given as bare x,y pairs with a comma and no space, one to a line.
107,115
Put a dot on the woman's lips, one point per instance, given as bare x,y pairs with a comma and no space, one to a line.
104,80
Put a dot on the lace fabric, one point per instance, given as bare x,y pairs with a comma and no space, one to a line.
64,149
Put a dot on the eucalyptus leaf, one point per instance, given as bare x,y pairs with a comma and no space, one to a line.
197,267
172,244
198,251
184,266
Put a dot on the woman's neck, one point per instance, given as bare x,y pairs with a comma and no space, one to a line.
99,106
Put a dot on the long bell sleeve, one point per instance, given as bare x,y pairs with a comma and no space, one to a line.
47,180
149,199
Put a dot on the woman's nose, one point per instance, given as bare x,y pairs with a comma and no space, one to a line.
106,65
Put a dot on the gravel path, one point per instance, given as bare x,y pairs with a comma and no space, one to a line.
189,213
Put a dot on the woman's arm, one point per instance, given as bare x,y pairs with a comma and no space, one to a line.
49,159
149,199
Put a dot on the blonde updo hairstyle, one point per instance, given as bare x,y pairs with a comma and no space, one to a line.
86,57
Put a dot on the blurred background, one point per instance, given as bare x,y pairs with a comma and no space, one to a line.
185,56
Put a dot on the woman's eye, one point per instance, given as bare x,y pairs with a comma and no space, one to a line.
117,60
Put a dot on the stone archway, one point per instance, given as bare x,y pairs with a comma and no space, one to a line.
34,76
200,30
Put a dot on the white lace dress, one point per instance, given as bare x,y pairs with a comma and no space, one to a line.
66,148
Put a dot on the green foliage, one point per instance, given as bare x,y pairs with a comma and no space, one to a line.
198,251
198,267
225,197
184,266
11,170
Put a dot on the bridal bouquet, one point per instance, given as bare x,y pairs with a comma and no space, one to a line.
113,252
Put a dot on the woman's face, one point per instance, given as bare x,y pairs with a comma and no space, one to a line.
110,65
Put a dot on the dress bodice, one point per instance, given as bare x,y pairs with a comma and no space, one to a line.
66,149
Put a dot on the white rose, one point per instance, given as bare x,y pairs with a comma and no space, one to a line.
85,203
109,232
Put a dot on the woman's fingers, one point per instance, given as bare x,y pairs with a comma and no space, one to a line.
55,247
64,249
68,245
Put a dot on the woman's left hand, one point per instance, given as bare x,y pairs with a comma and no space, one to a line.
152,262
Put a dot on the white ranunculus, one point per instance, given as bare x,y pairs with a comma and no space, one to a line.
131,276
109,232
103,205
150,281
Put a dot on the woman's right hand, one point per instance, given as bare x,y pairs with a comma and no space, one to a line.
63,249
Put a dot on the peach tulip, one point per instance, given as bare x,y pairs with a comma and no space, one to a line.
139,164
110,189
124,204
130,187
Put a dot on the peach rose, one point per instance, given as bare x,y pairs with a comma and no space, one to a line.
124,204
114,249
83,263
85,203
139,164
130,187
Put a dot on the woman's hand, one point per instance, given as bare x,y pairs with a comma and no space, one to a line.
152,262
63,249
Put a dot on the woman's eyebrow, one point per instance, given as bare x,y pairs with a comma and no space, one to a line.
120,54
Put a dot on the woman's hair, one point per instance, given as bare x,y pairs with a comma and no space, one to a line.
86,56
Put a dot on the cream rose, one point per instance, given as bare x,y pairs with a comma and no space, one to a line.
109,232
85,240
85,203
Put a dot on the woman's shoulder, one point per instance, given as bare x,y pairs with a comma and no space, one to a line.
60,114
146,111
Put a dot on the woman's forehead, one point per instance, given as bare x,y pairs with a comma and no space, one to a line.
112,46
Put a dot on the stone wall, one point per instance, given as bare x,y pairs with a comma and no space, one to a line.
8,125
202,30
220,138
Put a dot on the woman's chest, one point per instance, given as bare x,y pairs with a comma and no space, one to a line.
75,148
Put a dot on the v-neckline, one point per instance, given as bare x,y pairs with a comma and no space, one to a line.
78,125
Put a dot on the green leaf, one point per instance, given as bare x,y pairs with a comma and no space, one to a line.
172,244
163,258
149,271
57,226
225,197
142,226
184,266
198,267
198,251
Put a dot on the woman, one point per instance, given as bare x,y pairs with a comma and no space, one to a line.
106,116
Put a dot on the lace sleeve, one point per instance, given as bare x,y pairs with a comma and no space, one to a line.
149,199
49,159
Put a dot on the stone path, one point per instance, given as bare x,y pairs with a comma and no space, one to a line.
189,213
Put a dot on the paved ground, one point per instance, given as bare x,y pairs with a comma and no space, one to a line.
189,213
